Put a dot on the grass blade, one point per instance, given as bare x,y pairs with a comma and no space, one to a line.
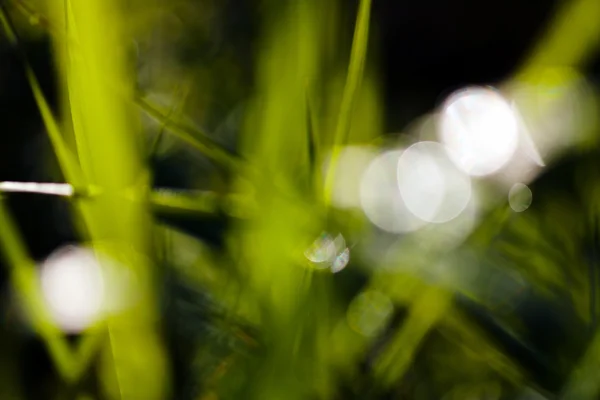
353,81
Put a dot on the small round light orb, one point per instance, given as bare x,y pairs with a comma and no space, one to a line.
322,250
520,197
480,130
432,188
73,288
327,252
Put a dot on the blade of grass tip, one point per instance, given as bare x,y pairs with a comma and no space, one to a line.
66,159
67,162
353,80
197,139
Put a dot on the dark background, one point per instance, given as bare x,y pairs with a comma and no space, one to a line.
424,49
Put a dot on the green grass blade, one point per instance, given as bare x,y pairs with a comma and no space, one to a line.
65,158
197,139
133,365
24,279
353,80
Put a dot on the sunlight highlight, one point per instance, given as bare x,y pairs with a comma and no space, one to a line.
380,198
430,186
480,130
350,164
73,287
329,253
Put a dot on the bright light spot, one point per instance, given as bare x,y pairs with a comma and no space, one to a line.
326,252
73,288
339,243
380,197
430,185
81,286
526,142
351,163
480,130
523,167
56,189
322,250
520,197
369,312
341,261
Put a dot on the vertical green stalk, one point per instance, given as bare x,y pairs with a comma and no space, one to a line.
353,81
295,365
70,364
105,128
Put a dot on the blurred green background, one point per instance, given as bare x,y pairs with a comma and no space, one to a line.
216,199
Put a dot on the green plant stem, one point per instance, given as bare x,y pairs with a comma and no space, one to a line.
354,78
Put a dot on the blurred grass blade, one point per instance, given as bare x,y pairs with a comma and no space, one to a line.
314,150
275,141
355,71
172,110
167,202
105,125
569,41
66,159
353,81
425,312
24,279
584,383
193,137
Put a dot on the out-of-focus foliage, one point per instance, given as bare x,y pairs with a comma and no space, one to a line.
203,139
